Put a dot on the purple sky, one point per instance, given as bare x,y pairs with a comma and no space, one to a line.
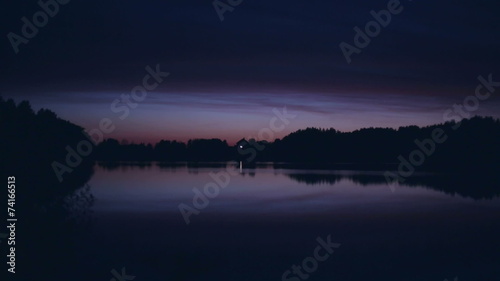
234,115
227,77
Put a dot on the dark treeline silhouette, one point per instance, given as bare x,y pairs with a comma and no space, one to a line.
30,141
474,144
471,144
34,140
195,150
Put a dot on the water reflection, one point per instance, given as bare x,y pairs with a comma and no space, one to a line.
474,185
269,215
265,220
51,216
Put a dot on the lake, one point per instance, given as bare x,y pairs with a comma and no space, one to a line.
263,220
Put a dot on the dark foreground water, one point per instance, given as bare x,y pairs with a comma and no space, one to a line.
267,220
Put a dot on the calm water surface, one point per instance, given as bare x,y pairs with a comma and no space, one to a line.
267,220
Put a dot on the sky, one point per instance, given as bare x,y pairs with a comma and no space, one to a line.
228,78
